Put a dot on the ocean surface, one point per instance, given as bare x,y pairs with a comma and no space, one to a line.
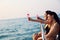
18,29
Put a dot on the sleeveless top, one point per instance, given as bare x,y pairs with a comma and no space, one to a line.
47,29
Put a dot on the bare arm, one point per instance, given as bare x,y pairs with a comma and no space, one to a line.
53,31
43,21
34,20
38,20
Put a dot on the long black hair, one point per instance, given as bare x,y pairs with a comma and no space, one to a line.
54,14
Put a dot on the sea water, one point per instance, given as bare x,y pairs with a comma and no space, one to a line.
18,29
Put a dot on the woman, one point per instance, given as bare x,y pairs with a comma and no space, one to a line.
47,27
54,26
53,22
35,36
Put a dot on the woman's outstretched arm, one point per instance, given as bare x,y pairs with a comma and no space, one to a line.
34,20
38,20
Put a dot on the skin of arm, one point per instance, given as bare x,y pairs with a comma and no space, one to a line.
39,20
34,20
43,21
53,31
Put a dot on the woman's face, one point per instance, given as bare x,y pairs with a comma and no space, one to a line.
50,18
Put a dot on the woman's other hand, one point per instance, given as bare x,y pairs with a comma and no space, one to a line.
38,17
29,18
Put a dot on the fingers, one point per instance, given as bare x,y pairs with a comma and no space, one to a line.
28,15
38,17
29,18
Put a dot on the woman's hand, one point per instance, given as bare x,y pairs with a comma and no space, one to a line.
38,17
29,18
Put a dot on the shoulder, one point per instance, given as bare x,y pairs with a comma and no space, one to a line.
56,25
55,29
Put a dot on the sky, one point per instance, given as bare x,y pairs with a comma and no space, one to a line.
19,8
